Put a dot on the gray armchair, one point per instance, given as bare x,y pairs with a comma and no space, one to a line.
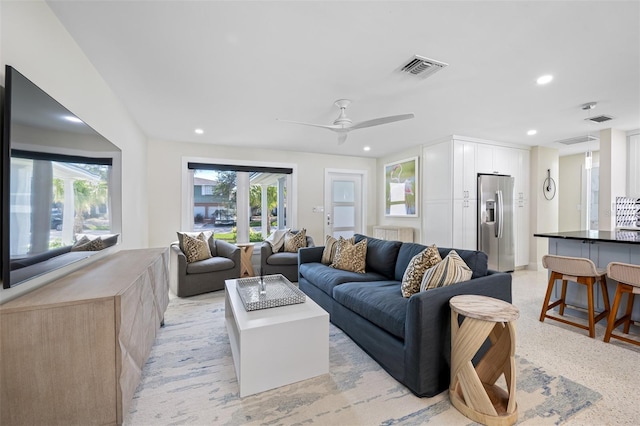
203,276
285,263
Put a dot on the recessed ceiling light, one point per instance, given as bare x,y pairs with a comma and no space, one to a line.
367,148
532,132
199,131
73,119
544,79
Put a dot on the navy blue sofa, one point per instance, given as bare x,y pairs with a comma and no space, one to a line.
409,337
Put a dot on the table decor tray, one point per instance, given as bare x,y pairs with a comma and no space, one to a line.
279,292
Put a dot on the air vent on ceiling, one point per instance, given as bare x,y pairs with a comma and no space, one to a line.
422,67
599,118
579,139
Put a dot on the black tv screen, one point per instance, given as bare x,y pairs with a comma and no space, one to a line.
60,185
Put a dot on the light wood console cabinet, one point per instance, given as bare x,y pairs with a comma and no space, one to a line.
73,350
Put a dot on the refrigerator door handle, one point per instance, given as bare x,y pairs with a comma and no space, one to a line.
499,214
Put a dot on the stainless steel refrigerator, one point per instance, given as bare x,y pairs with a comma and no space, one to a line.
496,225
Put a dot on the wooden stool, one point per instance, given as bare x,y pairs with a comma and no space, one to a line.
473,391
246,268
582,271
628,278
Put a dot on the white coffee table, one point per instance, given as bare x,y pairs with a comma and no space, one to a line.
276,346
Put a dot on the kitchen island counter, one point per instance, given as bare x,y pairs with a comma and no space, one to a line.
622,236
602,247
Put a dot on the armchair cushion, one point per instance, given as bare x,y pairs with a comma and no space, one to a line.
283,258
213,264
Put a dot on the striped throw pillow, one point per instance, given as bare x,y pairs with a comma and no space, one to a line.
451,270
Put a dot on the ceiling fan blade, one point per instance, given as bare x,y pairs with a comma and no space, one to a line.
342,136
381,120
324,126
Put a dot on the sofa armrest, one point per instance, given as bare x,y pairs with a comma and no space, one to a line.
228,250
310,254
180,257
428,328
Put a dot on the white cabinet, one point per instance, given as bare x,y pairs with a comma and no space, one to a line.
393,233
449,179
495,159
465,184
465,213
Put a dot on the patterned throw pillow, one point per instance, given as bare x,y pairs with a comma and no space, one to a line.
81,242
451,270
195,248
208,236
330,246
422,261
87,244
349,256
293,242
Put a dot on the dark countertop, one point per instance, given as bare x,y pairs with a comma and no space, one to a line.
629,237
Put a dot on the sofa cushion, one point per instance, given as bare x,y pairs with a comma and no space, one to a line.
212,264
477,261
451,270
406,252
283,258
422,261
326,278
379,302
381,255
350,257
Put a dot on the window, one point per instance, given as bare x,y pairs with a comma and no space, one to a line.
239,202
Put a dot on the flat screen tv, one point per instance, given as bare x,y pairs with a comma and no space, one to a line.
61,185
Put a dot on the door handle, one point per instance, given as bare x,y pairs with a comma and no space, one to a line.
329,219
499,214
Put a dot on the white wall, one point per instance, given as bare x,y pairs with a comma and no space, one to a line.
543,212
165,174
35,43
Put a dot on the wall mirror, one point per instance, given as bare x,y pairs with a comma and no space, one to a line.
61,187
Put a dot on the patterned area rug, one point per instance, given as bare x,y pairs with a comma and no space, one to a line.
190,379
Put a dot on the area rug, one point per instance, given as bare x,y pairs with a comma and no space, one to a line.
189,379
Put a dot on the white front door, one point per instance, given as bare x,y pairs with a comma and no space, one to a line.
343,203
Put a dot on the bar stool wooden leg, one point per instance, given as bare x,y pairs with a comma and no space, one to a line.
627,314
547,297
611,322
563,297
592,323
605,294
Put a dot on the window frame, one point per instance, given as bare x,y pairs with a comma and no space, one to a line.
186,216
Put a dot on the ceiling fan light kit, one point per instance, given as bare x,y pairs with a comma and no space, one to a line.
343,124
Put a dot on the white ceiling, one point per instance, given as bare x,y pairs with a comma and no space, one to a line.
233,68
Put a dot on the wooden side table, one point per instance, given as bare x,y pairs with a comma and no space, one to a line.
246,268
473,391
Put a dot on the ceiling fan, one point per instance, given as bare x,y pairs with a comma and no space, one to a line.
343,125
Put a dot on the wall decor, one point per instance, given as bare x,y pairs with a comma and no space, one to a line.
401,188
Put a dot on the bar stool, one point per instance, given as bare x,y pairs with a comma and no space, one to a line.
628,278
582,271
